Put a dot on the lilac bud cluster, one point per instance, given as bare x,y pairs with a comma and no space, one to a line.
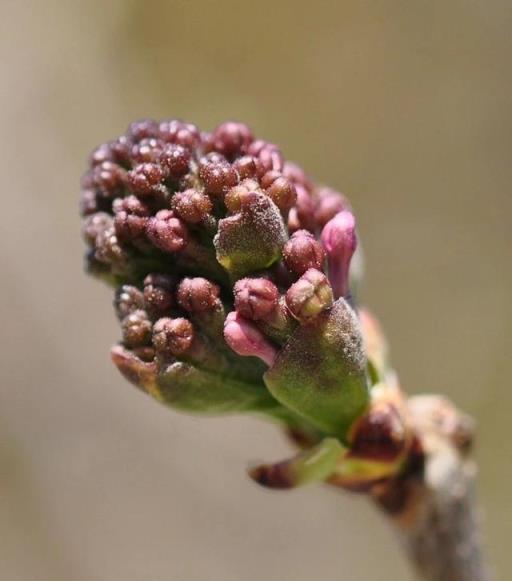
213,240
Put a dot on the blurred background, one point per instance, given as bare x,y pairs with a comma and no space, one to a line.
404,106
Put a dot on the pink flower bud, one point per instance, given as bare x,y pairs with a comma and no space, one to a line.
136,329
175,159
246,340
309,296
302,252
130,219
268,155
146,179
217,176
191,205
158,294
339,241
167,232
330,202
172,336
280,189
197,294
255,298
231,138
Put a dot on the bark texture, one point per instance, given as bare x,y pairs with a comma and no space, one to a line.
433,506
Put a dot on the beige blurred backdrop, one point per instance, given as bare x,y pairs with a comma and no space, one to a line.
404,105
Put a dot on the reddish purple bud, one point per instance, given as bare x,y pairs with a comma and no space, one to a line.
340,242
246,340
269,156
130,218
232,138
147,151
305,206
109,179
121,149
142,129
330,202
94,225
127,300
297,175
102,153
175,159
233,199
246,167
197,294
167,232
280,189
309,296
255,298
172,337
302,252
217,177
146,179
191,205
108,248
158,294
88,202
136,329
180,133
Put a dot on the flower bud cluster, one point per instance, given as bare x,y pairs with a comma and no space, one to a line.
221,251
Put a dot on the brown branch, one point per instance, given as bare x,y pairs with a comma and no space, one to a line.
433,505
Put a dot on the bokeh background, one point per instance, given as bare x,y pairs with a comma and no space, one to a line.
403,105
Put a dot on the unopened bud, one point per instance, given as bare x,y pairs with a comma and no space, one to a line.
197,294
180,133
305,206
146,179
217,177
172,337
109,179
309,296
136,329
175,160
231,138
233,199
88,202
297,175
269,156
108,248
191,205
142,129
302,252
127,300
255,298
330,202
280,189
167,232
340,242
246,167
158,294
131,216
102,153
96,224
147,151
246,340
